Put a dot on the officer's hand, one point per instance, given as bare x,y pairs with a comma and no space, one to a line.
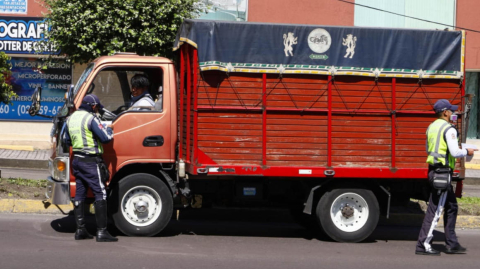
470,151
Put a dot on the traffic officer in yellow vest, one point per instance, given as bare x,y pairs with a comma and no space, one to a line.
86,135
442,148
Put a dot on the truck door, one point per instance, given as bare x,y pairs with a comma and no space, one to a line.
140,136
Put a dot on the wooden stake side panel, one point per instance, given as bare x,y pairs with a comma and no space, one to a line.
231,138
361,140
296,139
410,96
231,129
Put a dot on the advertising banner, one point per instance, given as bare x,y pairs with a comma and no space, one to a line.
24,35
13,6
30,73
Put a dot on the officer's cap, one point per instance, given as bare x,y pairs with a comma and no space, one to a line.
92,99
442,105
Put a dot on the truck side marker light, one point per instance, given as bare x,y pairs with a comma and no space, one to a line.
202,170
329,172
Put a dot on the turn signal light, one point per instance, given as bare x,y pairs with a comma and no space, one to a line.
61,166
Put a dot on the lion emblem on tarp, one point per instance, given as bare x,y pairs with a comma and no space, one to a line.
350,42
288,41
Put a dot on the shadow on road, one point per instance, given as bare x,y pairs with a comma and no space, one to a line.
249,223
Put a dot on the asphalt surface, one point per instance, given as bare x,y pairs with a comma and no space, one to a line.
24,173
46,241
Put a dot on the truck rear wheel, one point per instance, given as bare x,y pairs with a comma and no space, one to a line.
348,215
145,205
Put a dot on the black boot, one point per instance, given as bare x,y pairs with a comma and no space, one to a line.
101,216
81,232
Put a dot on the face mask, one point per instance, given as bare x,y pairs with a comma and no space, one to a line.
453,117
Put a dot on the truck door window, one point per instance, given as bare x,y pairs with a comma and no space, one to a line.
113,88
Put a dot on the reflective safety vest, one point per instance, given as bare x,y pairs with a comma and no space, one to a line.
437,146
82,138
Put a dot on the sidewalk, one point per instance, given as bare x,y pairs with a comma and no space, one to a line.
17,157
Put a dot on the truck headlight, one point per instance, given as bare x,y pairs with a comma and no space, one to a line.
60,168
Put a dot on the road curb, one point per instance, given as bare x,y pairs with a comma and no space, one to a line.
16,163
17,147
32,206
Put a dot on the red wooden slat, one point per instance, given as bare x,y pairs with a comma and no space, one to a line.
189,100
264,119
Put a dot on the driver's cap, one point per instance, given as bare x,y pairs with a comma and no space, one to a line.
92,100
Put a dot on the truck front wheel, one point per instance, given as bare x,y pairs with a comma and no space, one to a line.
144,205
348,215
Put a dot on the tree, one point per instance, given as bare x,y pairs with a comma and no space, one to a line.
6,92
87,29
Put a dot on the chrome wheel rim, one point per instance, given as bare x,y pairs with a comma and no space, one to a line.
141,206
349,212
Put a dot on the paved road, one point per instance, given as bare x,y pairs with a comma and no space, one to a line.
46,241
25,173
471,190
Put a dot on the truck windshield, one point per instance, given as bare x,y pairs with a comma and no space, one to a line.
82,78
64,110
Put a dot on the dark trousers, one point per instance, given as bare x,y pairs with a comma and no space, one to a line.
87,174
449,218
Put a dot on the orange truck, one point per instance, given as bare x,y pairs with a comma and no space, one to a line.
325,121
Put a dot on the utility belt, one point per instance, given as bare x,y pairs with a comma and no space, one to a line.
88,158
441,178
104,173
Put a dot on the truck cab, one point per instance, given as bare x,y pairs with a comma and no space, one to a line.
144,140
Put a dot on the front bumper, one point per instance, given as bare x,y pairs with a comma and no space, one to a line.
58,193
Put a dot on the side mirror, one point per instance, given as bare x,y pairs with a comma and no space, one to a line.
69,96
35,107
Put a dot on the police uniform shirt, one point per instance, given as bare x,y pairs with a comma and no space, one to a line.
104,134
452,142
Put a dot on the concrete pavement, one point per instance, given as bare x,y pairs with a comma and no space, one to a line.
21,157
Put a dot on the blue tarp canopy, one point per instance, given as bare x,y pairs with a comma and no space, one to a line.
311,49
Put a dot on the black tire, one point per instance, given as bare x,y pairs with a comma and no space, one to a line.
150,190
352,228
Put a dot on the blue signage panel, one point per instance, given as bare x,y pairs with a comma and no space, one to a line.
30,73
13,6
24,35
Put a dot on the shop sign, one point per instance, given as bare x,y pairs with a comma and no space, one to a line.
29,73
24,36
13,6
